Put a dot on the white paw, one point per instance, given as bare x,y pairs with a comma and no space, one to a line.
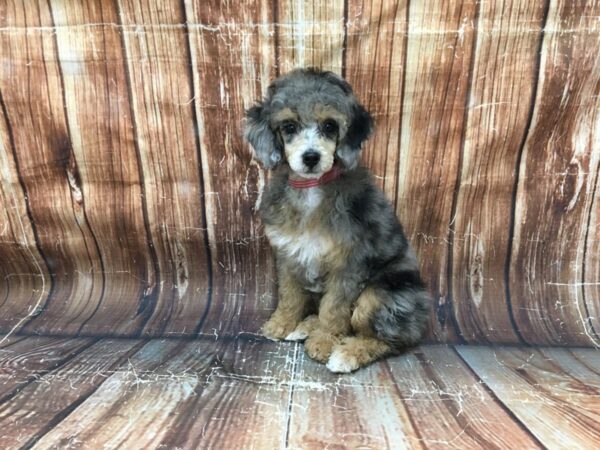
340,362
297,335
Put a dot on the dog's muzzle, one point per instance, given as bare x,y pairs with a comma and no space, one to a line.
311,158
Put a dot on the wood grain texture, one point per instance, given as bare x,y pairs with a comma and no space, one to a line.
552,392
156,48
591,254
6,340
360,410
557,180
437,77
23,360
38,135
374,64
141,384
240,393
178,394
244,402
24,279
232,54
128,197
427,398
505,69
41,404
102,172
587,357
448,405
310,34
591,263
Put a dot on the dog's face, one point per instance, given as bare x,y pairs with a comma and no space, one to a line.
309,120
309,140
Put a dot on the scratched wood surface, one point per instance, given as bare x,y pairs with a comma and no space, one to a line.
246,393
499,106
427,398
232,59
161,90
34,409
128,197
375,60
436,80
554,276
47,225
29,358
545,387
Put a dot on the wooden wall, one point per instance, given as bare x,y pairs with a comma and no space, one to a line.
127,196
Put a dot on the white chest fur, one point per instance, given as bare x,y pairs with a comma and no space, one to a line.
306,248
308,200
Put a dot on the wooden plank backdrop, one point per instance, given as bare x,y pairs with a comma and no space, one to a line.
128,197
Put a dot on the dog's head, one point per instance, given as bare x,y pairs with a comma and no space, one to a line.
309,120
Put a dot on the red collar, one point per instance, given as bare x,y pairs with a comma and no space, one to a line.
305,183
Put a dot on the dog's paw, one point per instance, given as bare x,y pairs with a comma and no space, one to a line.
342,361
302,331
319,346
298,335
276,329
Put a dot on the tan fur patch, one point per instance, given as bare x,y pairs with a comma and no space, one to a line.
290,310
355,352
319,345
283,115
334,314
367,303
324,112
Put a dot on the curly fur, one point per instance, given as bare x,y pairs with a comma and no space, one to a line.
340,250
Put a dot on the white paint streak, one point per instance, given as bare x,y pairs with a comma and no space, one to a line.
486,105
76,191
581,144
260,185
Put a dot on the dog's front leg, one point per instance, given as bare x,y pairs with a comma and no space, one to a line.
335,311
291,307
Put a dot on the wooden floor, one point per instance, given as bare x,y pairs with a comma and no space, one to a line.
245,393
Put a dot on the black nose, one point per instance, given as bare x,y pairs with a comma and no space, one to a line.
311,159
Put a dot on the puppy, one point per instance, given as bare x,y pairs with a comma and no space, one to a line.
341,252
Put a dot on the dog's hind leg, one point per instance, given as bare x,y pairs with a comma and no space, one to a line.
355,352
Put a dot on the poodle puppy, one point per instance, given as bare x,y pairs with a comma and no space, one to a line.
349,282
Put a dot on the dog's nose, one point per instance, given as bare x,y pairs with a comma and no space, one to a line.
311,158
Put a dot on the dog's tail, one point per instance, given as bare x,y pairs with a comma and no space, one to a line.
403,315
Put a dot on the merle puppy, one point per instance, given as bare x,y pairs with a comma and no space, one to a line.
348,281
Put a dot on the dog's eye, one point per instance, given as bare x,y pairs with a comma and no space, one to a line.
289,128
330,127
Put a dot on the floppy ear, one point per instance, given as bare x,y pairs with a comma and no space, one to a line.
259,134
360,128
